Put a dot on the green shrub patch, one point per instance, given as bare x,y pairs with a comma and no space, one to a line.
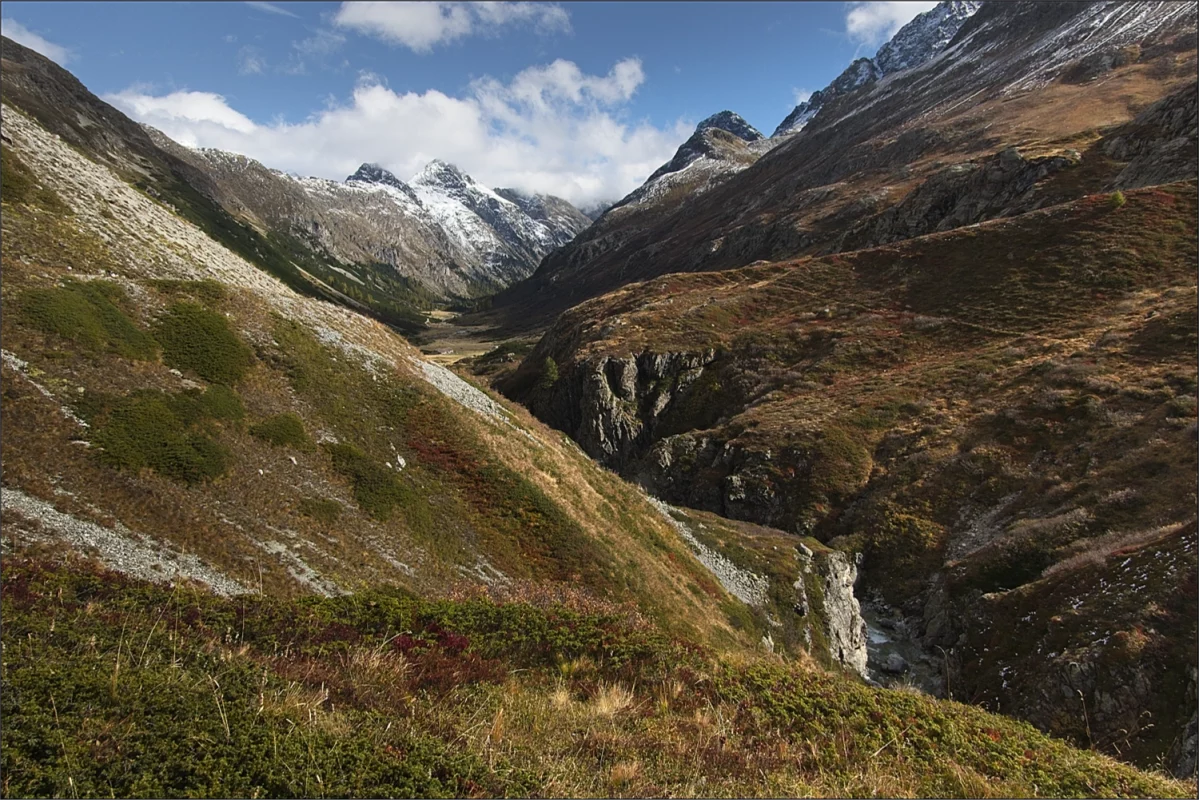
163,432
89,315
320,509
202,341
283,430
377,489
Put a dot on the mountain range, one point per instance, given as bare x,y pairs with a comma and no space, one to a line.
801,441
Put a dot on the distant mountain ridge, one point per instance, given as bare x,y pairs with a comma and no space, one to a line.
885,159
443,229
912,45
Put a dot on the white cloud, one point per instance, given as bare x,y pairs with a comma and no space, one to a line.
552,129
271,8
321,43
250,61
188,114
420,26
801,95
22,35
871,24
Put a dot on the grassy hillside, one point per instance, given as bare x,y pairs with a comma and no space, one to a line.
117,687
176,411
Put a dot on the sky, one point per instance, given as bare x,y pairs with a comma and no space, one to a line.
581,100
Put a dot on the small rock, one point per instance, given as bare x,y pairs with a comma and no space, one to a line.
895,664
293,460
804,550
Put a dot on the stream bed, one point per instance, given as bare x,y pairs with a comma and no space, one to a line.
894,656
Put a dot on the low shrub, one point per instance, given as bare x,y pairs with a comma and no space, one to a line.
202,341
207,291
320,509
377,489
160,431
283,430
88,314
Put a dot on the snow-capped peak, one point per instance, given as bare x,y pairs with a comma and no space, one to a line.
733,123
447,176
912,45
925,36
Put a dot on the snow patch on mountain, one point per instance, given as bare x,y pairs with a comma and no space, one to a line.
722,145
912,45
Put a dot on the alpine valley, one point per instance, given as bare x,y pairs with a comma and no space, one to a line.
855,460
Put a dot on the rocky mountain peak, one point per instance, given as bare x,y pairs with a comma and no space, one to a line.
733,123
700,144
445,175
373,173
912,45
925,36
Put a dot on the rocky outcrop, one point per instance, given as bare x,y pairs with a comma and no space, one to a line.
615,406
844,626
1159,145
963,194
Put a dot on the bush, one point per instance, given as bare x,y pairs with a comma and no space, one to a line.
87,314
206,291
1117,199
194,338
145,430
377,489
320,509
283,430
549,373
215,402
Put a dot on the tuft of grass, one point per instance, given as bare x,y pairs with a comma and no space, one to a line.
90,315
283,430
200,340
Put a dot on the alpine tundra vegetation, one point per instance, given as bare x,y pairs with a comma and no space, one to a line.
859,459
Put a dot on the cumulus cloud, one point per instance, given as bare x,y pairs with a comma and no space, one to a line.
420,26
871,24
552,128
22,35
271,8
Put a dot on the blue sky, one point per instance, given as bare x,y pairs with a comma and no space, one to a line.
579,99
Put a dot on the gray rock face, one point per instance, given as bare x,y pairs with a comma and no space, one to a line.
613,406
964,194
1187,752
844,626
1159,144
